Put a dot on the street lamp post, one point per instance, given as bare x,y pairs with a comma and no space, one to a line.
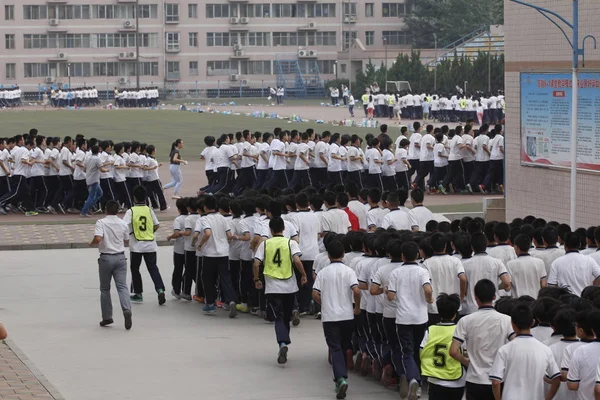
349,72
69,73
577,51
137,44
489,61
435,62
386,59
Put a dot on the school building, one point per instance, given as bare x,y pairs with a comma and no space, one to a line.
533,44
234,42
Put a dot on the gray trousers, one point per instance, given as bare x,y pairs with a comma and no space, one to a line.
113,266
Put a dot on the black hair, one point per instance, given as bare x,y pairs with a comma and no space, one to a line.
438,242
479,242
521,316
485,291
447,306
276,225
417,195
583,322
139,193
522,242
542,309
317,202
112,207
210,203
502,231
571,240
410,251
550,236
335,250
375,195
564,322
394,249
182,205
431,226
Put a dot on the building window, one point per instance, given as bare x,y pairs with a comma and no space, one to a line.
326,66
349,9
343,68
393,9
349,37
326,10
193,68
395,37
173,70
9,42
9,13
221,68
35,12
148,11
255,10
217,11
192,10
11,71
369,38
255,39
369,10
218,39
172,41
35,41
193,39
172,12
255,67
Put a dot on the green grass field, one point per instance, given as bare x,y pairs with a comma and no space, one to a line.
160,128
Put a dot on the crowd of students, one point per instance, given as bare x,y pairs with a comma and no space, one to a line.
493,310
41,174
460,160
80,97
10,98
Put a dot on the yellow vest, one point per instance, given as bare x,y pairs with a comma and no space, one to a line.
365,98
142,223
278,258
435,356
463,103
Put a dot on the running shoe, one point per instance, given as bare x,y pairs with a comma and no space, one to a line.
127,316
377,370
31,213
106,322
176,295
198,299
3,211
61,208
442,189
295,318
282,356
137,298
186,297
387,376
366,366
219,304
341,388
255,311
161,297
85,215
349,359
403,387
72,210
413,389
358,362
209,309
232,310
243,308
482,189
469,188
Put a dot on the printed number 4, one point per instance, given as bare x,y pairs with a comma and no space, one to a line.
277,258
439,359
143,222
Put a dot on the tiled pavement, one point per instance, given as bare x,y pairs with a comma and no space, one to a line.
37,237
19,379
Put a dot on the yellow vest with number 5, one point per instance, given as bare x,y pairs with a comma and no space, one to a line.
142,223
435,356
278,258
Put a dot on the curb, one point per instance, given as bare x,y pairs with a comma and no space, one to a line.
59,246
36,372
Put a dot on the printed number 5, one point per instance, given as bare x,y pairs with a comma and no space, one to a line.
277,258
439,359
143,222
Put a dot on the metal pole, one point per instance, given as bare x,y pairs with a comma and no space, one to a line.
350,65
574,104
435,63
137,44
386,59
69,73
489,61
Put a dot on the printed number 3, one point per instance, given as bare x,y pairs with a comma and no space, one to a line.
439,359
277,258
143,222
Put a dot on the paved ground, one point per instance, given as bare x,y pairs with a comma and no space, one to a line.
50,303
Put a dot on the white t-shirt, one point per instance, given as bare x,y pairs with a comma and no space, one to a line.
321,148
399,220
143,246
381,278
373,155
526,273
153,173
408,282
179,226
480,266
483,333
280,286
425,153
65,155
467,155
354,165
386,168
4,155
264,150
401,154
558,350
496,143
423,216
114,232
574,272
413,151
299,164
334,165
480,154
445,272
335,284
37,169
361,213
439,150
217,245
120,175
456,152
207,153
522,365
277,162
583,369
502,252
308,226
190,225
336,220
375,216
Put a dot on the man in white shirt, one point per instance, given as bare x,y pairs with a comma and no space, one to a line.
279,162
410,286
334,219
356,206
414,148
482,333
426,166
582,374
321,159
574,271
336,289
527,273
524,363
397,218
111,234
64,196
301,162
143,224
279,257
216,234
421,212
482,158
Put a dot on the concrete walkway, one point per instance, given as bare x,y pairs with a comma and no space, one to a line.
51,309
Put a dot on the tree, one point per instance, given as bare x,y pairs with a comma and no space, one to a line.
450,19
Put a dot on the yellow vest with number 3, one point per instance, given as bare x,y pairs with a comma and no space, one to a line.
278,258
435,356
142,223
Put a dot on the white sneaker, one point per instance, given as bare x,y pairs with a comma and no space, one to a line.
413,389
177,296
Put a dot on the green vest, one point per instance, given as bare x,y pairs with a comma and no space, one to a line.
278,258
142,223
435,356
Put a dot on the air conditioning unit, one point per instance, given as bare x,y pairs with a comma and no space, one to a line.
245,82
122,55
244,20
49,79
234,77
62,56
302,53
237,47
312,25
234,20
239,53
122,80
352,19
54,21
312,53
131,54
129,24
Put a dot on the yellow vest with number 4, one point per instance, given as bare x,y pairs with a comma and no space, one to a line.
435,356
278,258
142,223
